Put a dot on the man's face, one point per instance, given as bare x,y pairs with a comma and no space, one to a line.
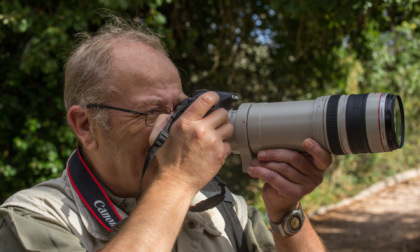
145,79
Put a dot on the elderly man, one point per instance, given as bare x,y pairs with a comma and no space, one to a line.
120,90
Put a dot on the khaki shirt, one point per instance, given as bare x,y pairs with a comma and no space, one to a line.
51,217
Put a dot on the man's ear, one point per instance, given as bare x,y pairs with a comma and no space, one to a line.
82,126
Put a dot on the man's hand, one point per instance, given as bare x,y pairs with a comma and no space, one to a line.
289,176
196,148
192,155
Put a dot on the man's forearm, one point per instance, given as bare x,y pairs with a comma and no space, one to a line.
155,223
305,240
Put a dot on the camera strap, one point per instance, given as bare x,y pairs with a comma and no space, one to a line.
213,200
159,141
233,227
91,192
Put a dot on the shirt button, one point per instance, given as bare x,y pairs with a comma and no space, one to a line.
191,224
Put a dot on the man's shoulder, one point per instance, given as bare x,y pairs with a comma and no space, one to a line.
25,230
41,198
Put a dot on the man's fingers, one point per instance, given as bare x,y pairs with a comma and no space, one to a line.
198,109
282,185
293,158
225,131
284,169
218,117
320,157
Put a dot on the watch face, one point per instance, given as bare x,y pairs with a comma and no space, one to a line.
291,224
295,223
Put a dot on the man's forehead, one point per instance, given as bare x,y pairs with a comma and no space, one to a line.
145,76
142,62
160,101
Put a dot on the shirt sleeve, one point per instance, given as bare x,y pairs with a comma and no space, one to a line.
23,230
259,238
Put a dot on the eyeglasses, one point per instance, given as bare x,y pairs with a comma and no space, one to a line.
150,115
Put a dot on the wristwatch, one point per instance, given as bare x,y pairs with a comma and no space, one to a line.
291,224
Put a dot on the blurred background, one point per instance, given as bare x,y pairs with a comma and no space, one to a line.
264,50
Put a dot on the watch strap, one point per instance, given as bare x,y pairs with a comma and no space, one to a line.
291,224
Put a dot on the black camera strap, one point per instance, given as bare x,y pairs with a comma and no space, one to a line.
233,227
159,141
213,200
91,192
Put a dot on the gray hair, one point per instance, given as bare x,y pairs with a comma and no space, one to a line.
87,73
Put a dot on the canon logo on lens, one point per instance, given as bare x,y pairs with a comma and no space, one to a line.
342,124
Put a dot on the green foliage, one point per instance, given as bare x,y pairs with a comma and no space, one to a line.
386,55
264,50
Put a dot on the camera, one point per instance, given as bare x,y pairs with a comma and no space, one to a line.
341,124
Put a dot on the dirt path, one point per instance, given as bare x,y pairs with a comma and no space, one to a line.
386,221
